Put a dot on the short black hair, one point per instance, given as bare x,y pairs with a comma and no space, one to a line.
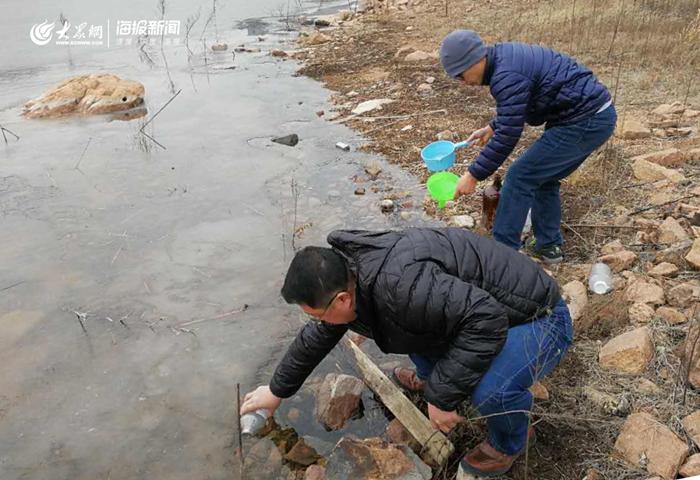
314,276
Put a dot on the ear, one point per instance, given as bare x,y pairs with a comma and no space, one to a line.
346,298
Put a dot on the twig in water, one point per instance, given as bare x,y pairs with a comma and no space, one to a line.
661,205
12,286
240,435
217,317
77,165
3,130
81,318
161,109
295,199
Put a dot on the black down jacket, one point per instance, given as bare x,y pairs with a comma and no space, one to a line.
443,292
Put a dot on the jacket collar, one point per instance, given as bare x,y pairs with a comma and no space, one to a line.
490,65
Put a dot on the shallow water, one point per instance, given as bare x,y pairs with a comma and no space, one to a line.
104,228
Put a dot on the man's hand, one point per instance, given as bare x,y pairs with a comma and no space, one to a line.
482,136
466,185
441,420
259,398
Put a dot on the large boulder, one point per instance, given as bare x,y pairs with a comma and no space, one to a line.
646,443
87,94
576,296
641,313
338,400
691,467
674,254
398,434
671,315
683,295
373,459
663,269
263,460
629,353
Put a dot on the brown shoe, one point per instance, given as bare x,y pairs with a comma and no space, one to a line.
485,461
408,379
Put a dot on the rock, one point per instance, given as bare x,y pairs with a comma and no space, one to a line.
263,460
691,467
644,442
219,47
671,157
87,94
446,135
418,56
683,295
279,53
315,472
430,80
619,261
640,291
630,352
462,475
372,459
302,454
632,129
322,23
641,313
315,38
360,191
691,424
386,205
351,94
463,221
674,254
612,247
576,296
690,113
371,105
675,108
663,269
593,474
648,387
338,400
670,231
691,355
289,140
539,391
403,51
323,448
397,433
671,315
407,128
424,88
606,403
660,197
373,169
693,256
693,155
649,172
345,15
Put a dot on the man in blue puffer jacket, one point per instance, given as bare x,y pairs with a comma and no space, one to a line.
533,85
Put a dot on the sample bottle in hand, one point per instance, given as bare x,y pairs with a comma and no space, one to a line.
253,422
489,203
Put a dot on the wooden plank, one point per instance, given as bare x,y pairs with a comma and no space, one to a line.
436,447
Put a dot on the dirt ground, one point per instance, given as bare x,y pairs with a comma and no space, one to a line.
633,48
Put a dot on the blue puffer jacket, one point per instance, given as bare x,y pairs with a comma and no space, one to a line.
534,85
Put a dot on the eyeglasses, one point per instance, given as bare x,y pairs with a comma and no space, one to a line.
325,310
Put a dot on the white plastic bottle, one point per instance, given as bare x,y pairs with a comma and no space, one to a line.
252,423
600,281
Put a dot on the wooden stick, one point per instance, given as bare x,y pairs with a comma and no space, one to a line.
661,204
599,225
217,317
436,446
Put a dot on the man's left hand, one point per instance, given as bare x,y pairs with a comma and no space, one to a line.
442,420
466,185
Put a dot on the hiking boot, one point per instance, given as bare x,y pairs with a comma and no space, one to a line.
408,379
485,461
550,254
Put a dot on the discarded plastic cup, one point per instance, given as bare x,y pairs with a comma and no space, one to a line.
252,423
600,281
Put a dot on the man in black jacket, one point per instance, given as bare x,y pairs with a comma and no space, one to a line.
478,319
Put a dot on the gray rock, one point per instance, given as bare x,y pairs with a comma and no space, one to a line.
289,140
338,400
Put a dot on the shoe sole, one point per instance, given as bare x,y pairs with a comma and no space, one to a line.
464,466
551,261
401,385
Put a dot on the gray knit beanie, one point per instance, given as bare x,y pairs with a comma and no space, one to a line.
460,50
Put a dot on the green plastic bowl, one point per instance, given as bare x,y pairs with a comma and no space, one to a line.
442,187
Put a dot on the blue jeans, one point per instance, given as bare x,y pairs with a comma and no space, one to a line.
531,352
533,180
